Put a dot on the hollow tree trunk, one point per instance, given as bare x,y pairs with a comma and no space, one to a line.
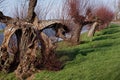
75,38
92,29
7,56
25,56
28,45
28,56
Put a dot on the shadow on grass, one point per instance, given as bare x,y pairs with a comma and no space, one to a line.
106,37
107,34
99,44
108,31
72,54
84,42
69,55
114,26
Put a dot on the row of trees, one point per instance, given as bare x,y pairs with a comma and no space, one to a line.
82,13
20,50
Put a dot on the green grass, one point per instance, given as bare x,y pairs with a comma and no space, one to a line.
98,59
10,76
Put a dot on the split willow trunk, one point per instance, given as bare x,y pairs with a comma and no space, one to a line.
25,48
27,56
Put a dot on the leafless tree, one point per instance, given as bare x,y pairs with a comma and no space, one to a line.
102,16
78,12
42,12
27,58
20,10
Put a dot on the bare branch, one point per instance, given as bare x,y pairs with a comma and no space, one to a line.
4,19
104,14
31,14
42,12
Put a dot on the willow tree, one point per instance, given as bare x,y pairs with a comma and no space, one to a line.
26,56
102,16
77,11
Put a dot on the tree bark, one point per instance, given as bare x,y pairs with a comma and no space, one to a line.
49,59
92,29
28,53
31,14
25,58
5,19
75,38
61,30
7,55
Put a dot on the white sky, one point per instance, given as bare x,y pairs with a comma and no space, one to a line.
9,5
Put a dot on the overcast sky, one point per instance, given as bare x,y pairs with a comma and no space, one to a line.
10,4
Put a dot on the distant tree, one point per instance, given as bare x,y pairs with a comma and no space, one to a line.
78,11
117,9
102,17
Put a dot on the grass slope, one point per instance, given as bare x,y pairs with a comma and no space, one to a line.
95,60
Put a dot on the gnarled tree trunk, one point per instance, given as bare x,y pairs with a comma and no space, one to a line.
7,55
27,58
28,52
49,60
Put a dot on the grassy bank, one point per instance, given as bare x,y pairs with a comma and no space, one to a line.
93,60
96,60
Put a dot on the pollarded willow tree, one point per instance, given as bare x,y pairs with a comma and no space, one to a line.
81,13
77,11
102,16
25,56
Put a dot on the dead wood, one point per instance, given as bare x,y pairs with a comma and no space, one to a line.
28,56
